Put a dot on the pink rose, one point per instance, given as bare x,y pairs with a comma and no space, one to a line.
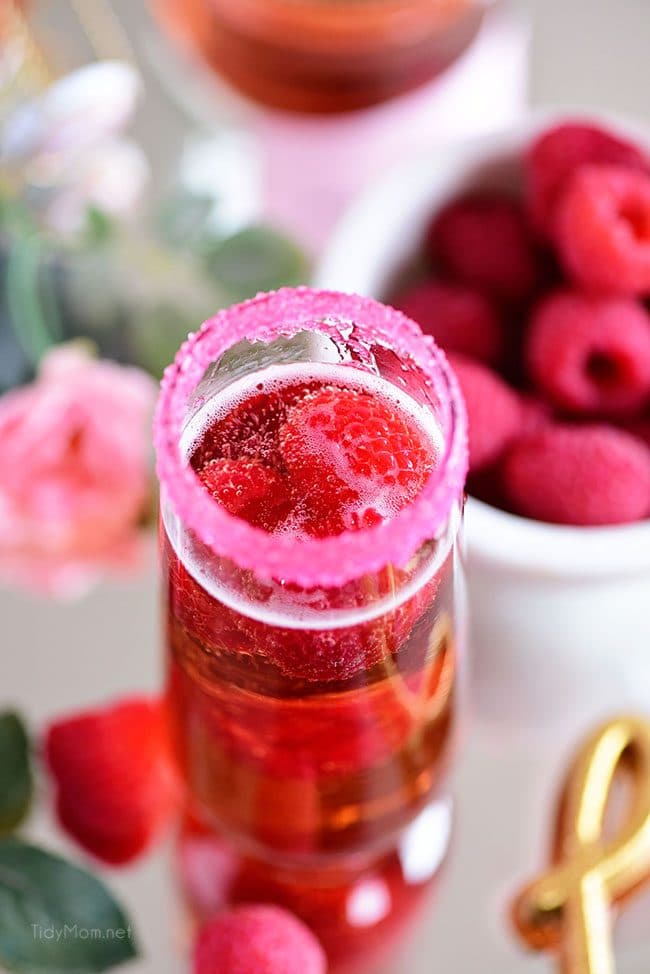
74,473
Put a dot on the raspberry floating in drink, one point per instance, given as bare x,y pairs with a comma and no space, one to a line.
248,488
334,457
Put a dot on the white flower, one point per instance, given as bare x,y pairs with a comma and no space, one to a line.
227,170
78,111
111,176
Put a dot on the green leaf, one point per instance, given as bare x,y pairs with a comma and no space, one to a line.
15,216
15,773
157,335
99,227
184,220
256,259
55,917
24,299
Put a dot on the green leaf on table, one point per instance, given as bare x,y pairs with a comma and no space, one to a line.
15,772
56,917
256,259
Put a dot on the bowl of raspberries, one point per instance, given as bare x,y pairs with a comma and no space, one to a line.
526,256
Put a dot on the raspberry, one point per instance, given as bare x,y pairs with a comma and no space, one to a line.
483,241
460,319
587,475
557,153
309,654
346,451
603,229
486,486
248,489
640,428
250,428
258,940
494,411
536,414
113,776
591,355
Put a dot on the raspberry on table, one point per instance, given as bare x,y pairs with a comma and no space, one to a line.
258,940
603,229
590,355
115,786
483,240
460,319
248,489
348,452
494,411
581,475
556,154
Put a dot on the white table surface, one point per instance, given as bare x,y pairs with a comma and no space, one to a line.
57,657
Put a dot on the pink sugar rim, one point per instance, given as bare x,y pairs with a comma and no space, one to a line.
309,562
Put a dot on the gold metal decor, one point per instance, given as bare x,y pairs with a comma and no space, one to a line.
568,909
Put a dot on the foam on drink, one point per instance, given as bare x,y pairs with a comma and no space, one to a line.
385,499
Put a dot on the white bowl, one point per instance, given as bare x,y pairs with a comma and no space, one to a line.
560,616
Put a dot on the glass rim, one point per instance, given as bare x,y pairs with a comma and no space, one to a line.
309,562
375,24
339,13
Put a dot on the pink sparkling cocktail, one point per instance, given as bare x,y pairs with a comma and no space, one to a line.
312,455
